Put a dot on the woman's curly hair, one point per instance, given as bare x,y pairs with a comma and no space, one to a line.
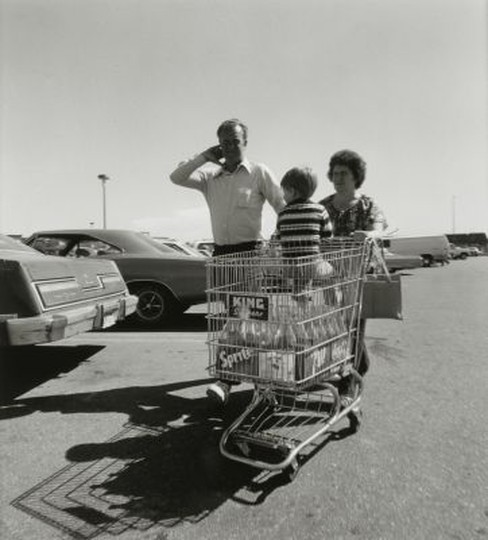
353,161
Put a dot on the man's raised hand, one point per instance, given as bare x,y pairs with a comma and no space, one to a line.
213,154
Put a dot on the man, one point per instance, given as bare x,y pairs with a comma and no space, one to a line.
235,191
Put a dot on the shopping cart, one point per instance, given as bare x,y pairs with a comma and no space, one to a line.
289,326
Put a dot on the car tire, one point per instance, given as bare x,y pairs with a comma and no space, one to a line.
428,260
463,256
155,305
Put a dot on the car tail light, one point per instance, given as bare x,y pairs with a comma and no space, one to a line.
54,293
113,282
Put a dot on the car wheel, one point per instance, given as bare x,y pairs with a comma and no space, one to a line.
154,306
428,260
462,256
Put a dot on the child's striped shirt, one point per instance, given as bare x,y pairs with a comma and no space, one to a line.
301,225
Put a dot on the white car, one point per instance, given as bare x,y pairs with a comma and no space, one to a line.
432,249
458,252
394,261
474,251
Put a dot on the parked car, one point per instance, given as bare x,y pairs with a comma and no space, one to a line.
474,251
165,281
43,299
458,252
179,246
204,246
431,248
394,261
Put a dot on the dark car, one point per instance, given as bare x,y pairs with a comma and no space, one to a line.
43,299
166,282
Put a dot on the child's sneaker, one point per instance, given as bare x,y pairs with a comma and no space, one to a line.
346,401
219,392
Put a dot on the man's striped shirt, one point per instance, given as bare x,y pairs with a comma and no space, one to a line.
301,225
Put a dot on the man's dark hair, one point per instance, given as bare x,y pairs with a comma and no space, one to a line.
232,124
353,161
303,180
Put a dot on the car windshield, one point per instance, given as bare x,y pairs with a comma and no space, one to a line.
6,242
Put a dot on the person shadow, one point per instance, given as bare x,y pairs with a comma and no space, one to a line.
164,468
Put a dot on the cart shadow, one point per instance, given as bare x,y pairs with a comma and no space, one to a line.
163,469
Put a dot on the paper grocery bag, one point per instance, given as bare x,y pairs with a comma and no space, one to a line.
382,297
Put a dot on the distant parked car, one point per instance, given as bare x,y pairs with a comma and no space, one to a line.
474,251
204,246
178,246
165,281
43,299
394,261
431,248
458,252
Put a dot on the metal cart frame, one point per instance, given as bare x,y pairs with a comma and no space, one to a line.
290,327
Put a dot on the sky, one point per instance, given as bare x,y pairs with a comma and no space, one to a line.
130,88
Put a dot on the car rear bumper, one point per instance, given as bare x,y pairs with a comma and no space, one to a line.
55,326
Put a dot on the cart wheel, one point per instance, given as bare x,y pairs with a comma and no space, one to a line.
355,418
290,473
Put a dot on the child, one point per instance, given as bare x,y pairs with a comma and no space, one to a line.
300,227
302,223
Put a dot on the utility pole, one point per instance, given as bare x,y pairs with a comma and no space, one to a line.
104,178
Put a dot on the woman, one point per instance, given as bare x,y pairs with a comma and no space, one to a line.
357,215
349,211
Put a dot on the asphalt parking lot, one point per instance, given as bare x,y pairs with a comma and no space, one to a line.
110,435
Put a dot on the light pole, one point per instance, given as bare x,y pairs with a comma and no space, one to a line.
453,213
104,178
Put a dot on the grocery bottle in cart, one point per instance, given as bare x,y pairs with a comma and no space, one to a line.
269,356
248,336
234,353
229,342
231,334
339,348
264,335
246,333
303,357
316,338
289,346
271,345
278,364
324,333
264,343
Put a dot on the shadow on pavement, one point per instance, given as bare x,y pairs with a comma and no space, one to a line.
163,469
24,368
186,322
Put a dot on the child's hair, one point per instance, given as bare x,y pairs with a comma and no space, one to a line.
302,179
